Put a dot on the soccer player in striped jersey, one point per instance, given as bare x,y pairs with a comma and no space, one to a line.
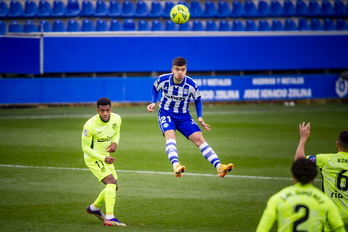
177,90
333,168
100,137
301,207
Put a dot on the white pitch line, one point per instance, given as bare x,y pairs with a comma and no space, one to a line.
147,172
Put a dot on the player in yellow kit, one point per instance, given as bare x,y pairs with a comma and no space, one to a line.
100,137
333,168
301,207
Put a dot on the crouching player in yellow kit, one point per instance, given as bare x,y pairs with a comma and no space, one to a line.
100,137
301,207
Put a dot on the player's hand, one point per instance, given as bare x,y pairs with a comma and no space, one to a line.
203,124
109,159
305,130
151,107
112,148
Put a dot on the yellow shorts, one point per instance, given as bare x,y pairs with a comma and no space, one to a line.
100,169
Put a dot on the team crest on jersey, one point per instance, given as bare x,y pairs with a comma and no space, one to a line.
165,125
114,126
185,91
85,132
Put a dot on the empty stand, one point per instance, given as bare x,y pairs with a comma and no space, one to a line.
156,25
141,10
209,10
128,9
45,25
58,9
87,9
31,26
223,10
329,25
170,25
143,25
314,9
3,27
15,9
3,9
237,25
301,8
30,9
263,9
167,8
327,9
250,25
101,25
184,27
290,25
275,9
250,9
197,25
341,24
315,24
237,10
288,8
58,26
128,25
114,9
196,10
156,10
87,25
277,25
303,25
101,9
15,27
115,25
73,25
72,8
210,25
44,9
264,25
224,25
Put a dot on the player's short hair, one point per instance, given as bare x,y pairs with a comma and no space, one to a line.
104,101
179,61
343,139
304,170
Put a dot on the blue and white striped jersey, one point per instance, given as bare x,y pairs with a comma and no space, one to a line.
176,98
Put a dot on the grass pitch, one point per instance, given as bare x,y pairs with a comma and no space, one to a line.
45,185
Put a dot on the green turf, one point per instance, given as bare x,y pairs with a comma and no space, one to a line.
50,188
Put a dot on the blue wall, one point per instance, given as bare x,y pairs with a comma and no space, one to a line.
154,52
137,90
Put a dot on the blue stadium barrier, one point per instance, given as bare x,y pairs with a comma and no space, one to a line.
44,9
209,10
156,10
141,9
3,9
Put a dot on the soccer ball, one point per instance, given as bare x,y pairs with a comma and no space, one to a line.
179,14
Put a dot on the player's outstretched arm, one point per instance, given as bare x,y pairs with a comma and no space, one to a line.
304,134
203,124
151,107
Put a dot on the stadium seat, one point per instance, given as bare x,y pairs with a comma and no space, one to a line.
167,8
170,25
114,9
329,25
184,3
237,25
141,9
58,26
101,25
288,8
275,9
30,26
196,9
3,9
264,25
339,9
184,27
143,25
314,9
237,10
15,27
156,25
44,9
156,10
73,8
250,25
87,9
87,25
277,25
210,25
315,24
209,10
263,9
73,25
45,26
301,8
224,25
197,25
101,9
58,9
341,24
3,27
290,25
115,25
128,25
250,9
223,10
15,9
326,9
30,9
303,25
127,10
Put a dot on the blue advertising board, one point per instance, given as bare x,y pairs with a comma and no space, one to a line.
138,90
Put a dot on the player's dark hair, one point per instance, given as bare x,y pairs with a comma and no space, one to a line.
304,170
104,101
179,61
343,140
